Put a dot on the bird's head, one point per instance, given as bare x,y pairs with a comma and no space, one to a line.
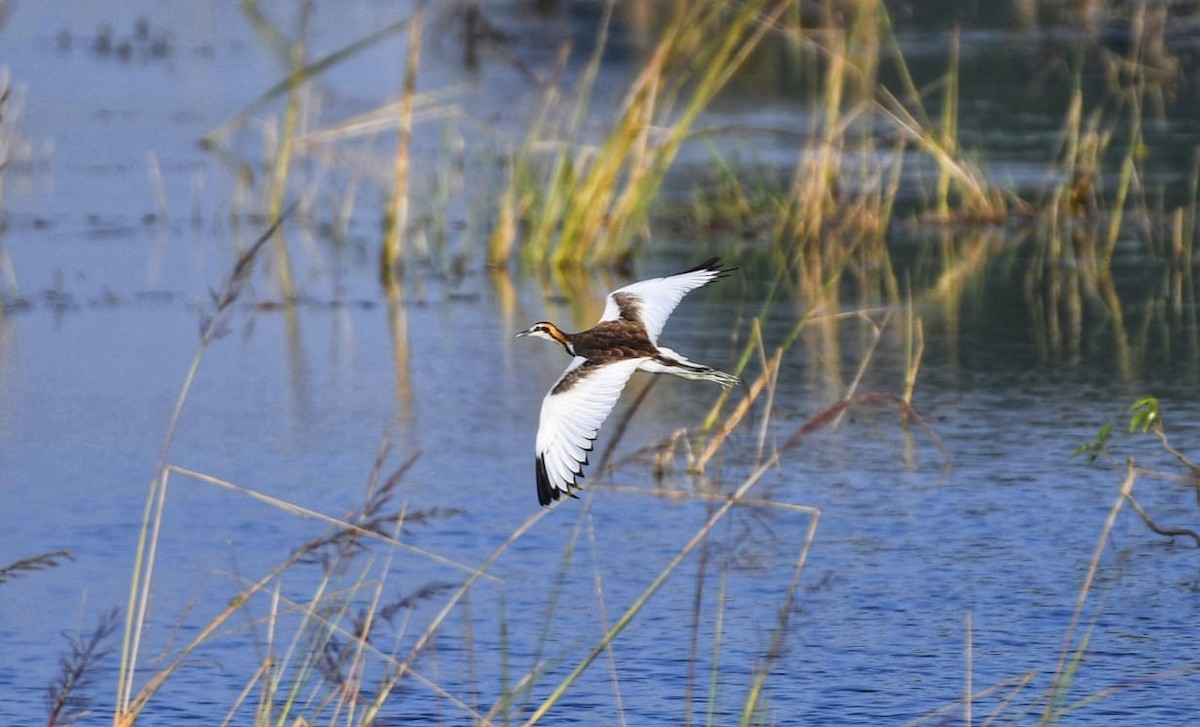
548,331
544,329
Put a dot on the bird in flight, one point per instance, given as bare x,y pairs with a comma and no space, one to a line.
602,359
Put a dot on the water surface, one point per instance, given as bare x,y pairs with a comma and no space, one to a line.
115,280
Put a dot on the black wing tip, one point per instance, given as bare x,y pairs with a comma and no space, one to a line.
711,265
548,493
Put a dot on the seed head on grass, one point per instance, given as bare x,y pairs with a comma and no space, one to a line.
211,325
375,516
67,696
33,563
424,593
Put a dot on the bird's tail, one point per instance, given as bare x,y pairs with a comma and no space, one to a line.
669,362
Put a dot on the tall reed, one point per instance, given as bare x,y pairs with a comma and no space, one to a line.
144,557
397,218
593,200
283,155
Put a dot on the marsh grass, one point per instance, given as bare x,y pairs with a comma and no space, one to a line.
866,147
139,595
763,387
33,564
606,641
322,669
581,187
342,652
69,698
397,218
16,152
578,193
220,135
1072,651
283,154
319,670
832,218
754,694
332,666
589,201
1083,218
1057,701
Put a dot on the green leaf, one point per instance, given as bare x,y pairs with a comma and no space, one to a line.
1145,414
1095,448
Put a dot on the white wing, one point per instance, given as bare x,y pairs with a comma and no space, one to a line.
652,301
572,413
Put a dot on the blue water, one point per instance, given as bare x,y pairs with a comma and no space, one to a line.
97,337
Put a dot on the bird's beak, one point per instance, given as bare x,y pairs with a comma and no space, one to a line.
523,333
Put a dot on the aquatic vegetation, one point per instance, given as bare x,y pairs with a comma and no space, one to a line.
590,201
889,215
1146,416
144,557
70,700
32,564
397,218
345,650
580,185
17,153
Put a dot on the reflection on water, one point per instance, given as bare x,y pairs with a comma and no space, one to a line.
880,599
1020,352
398,324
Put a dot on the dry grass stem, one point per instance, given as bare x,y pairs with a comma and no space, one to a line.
940,715
398,211
144,556
311,70
876,333
341,525
820,420
721,433
1058,683
602,615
